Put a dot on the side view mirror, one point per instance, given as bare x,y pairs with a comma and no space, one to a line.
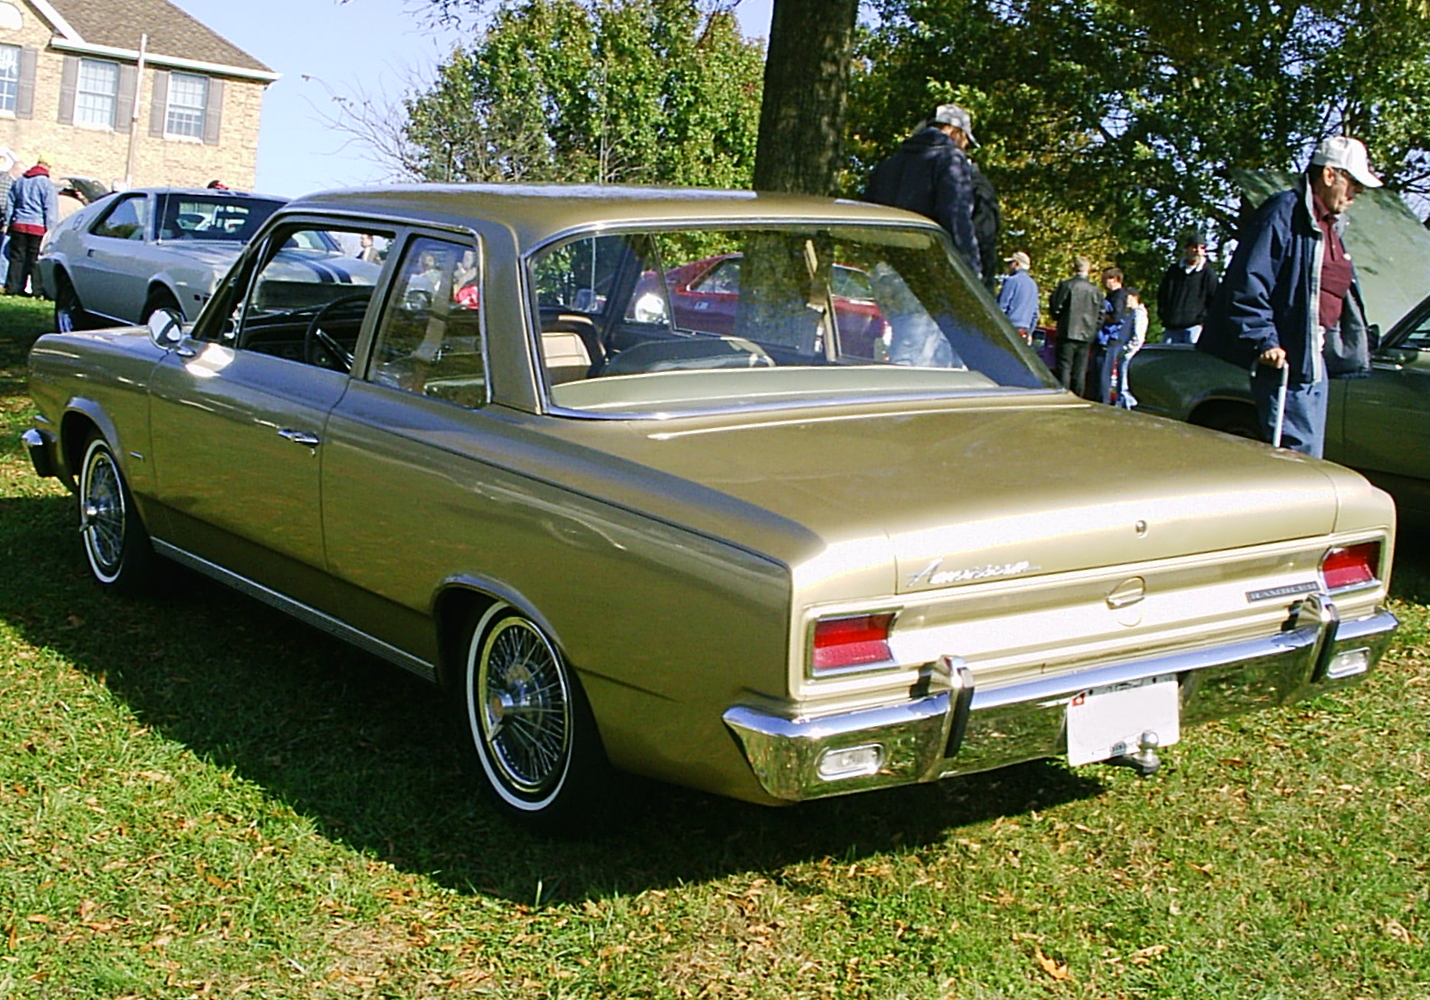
166,328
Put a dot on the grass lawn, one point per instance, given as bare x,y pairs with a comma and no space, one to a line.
201,798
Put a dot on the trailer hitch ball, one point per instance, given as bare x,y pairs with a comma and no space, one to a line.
1144,760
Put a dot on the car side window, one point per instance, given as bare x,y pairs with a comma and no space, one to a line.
308,299
429,339
1419,338
127,219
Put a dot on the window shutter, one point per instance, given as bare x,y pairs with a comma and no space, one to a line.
69,79
25,94
124,100
159,102
213,111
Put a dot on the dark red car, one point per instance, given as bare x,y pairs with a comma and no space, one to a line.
705,296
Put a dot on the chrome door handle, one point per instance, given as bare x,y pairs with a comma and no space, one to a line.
300,437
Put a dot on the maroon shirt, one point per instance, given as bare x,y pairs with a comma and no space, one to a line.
1335,267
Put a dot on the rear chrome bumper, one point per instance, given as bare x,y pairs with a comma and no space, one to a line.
963,729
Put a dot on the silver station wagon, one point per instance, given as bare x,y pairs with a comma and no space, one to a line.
761,556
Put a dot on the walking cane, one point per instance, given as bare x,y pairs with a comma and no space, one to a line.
1280,405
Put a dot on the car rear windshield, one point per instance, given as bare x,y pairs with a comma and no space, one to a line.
216,218
652,322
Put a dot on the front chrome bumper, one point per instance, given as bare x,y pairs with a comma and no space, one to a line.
963,729
41,448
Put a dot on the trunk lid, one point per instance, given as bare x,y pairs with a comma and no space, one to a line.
966,493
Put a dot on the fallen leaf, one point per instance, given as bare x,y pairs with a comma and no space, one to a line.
1141,956
1058,970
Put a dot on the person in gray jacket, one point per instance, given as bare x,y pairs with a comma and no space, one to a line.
1076,305
31,210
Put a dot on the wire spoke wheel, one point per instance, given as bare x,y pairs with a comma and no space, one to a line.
521,712
116,546
103,513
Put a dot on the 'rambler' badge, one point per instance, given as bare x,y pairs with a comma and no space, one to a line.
934,577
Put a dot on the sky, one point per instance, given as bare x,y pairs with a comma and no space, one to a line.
324,47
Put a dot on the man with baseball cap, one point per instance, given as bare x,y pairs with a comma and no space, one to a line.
1018,298
931,174
1289,308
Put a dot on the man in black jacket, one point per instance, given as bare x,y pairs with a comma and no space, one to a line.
1186,293
931,174
1076,304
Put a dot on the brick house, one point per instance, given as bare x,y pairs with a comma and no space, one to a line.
73,83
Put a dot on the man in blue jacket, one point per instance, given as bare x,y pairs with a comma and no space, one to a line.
31,209
933,176
1018,298
1290,300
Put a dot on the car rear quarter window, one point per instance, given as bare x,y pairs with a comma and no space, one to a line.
127,219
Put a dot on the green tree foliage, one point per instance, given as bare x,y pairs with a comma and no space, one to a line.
1110,125
601,91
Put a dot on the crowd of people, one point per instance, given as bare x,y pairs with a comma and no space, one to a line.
1097,329
1289,310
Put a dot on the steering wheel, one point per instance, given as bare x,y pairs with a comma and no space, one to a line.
321,348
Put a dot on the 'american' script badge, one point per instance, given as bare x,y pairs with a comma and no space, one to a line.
932,576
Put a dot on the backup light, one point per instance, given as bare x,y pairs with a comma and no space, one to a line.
854,641
851,762
1348,664
1350,566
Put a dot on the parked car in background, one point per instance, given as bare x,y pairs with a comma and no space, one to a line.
705,295
1378,425
122,257
745,561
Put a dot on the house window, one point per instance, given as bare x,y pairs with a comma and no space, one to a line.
97,93
9,77
188,96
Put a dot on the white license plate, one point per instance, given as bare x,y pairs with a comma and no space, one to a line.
1109,721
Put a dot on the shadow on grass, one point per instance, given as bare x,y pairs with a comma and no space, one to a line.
362,749
1410,578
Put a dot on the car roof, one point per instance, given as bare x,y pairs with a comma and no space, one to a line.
538,212
202,192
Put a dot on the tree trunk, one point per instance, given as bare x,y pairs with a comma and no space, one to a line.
801,142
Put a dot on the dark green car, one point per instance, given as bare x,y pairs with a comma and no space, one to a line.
1379,425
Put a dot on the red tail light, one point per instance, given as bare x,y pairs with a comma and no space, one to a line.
852,642
1350,566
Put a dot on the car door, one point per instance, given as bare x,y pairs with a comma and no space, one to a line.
239,412
404,474
110,269
1384,420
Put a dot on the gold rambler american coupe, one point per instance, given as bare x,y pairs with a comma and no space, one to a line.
834,539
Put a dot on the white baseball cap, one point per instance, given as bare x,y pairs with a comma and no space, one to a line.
1347,154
